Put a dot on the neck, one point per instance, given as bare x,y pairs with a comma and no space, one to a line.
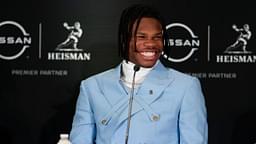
128,71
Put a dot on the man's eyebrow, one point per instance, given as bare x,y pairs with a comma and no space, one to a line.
142,33
160,33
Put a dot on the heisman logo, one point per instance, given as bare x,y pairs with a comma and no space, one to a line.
14,40
183,42
239,46
68,49
70,44
237,52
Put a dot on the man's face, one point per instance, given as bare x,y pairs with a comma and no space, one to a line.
146,44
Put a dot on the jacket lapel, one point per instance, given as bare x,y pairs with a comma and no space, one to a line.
112,87
155,83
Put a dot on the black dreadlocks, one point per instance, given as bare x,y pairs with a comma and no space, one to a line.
131,15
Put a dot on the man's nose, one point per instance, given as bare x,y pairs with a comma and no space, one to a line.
150,43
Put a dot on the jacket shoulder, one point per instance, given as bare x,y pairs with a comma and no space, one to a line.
99,76
181,76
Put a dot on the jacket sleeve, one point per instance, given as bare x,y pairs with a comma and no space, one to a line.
83,126
193,125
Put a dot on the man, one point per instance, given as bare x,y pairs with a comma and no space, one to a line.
168,106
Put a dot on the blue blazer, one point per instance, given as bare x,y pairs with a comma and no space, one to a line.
168,108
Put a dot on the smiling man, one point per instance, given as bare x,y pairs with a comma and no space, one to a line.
168,106
146,43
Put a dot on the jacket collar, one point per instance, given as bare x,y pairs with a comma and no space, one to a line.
155,82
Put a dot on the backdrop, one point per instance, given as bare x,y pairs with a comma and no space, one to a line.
40,73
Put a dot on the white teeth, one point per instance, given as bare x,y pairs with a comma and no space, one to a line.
148,54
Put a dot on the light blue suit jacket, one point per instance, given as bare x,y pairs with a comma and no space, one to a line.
168,108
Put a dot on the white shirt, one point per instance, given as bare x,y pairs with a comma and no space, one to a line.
128,72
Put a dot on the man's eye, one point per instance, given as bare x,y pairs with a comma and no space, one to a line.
158,37
140,37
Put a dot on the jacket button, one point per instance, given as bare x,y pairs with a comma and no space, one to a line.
104,122
155,118
150,92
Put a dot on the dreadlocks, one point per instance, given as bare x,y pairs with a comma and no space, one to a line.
129,17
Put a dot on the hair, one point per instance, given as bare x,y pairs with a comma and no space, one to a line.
129,17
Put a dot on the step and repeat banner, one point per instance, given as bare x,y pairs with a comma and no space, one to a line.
42,63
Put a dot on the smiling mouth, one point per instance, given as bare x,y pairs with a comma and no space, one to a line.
148,54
